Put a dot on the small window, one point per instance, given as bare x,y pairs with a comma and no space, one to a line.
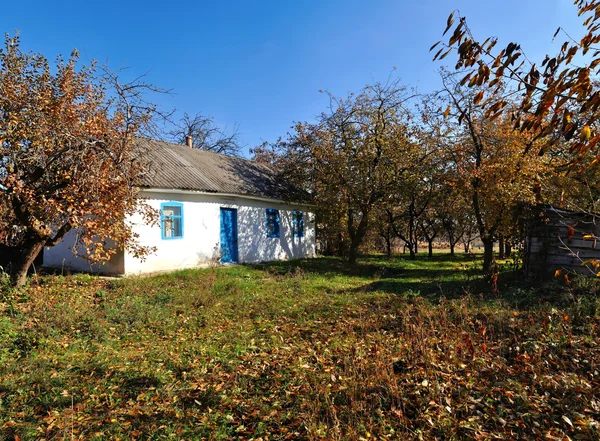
298,224
272,222
171,220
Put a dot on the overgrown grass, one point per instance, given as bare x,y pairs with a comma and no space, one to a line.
309,349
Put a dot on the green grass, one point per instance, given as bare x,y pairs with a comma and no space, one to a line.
308,349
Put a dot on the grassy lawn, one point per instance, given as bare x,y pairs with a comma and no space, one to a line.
310,349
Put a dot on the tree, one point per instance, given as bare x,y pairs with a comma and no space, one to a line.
267,154
67,158
457,221
410,198
384,231
555,99
206,135
351,159
492,167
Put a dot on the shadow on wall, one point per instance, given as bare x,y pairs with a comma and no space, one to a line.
214,259
253,243
255,246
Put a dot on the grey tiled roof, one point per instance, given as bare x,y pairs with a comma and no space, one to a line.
174,166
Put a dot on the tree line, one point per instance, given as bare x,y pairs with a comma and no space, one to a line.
383,163
501,134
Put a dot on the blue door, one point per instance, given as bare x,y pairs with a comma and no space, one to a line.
229,235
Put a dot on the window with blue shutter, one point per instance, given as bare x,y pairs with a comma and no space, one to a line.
272,222
298,224
171,220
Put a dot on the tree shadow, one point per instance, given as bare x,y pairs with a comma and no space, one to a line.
430,290
442,275
375,267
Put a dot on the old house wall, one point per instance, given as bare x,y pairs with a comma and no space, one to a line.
200,243
60,257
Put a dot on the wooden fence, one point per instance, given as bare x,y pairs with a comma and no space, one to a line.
555,240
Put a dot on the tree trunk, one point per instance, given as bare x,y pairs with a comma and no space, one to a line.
488,253
452,248
356,234
501,247
340,245
430,243
411,250
388,245
352,252
21,259
507,250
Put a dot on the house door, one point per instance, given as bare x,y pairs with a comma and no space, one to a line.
229,235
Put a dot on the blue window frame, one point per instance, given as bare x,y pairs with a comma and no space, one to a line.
298,223
272,222
171,220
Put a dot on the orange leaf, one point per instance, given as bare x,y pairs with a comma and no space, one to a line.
478,97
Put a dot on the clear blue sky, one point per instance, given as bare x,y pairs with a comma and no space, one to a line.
261,63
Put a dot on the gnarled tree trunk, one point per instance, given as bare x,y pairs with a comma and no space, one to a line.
17,260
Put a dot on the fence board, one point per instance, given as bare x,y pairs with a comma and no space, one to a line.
547,244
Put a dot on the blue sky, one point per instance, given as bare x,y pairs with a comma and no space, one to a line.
261,64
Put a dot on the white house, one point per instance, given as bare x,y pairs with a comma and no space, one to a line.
212,208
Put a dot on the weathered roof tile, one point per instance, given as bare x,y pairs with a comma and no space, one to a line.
176,166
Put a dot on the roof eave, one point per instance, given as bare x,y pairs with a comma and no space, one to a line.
215,193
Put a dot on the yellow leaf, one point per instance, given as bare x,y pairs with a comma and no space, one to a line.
586,133
558,272
589,237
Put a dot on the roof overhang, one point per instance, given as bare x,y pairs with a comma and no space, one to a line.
228,195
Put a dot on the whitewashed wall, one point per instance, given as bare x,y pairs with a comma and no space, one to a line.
61,257
200,243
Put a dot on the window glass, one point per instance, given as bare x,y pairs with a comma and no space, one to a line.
298,223
171,219
272,222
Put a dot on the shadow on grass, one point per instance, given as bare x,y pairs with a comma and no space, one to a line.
442,275
431,290
377,267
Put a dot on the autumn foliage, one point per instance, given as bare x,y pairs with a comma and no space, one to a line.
558,100
68,161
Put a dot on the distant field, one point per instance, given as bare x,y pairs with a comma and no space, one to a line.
311,349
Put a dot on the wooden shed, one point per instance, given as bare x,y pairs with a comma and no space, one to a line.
555,240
